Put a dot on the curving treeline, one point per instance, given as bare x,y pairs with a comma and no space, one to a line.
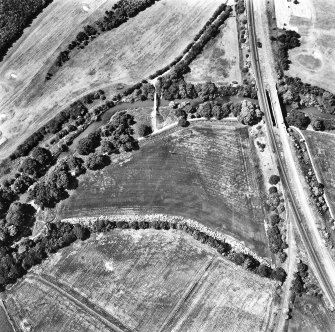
16,261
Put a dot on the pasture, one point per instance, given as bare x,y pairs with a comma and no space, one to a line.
144,280
205,172
127,55
322,147
219,62
314,60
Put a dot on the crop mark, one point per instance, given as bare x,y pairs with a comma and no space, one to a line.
82,302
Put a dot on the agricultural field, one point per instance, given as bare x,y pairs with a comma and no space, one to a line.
310,314
205,172
322,147
34,304
313,61
156,36
142,280
219,62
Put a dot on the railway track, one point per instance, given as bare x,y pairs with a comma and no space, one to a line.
313,253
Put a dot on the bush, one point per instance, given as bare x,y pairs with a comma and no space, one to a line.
298,119
297,284
274,179
275,240
263,271
88,144
43,156
144,130
273,190
274,219
31,167
107,147
182,122
318,125
97,161
279,274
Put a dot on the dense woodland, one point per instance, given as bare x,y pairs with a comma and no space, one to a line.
15,16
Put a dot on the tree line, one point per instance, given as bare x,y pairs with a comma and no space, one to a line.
17,260
119,14
171,88
180,65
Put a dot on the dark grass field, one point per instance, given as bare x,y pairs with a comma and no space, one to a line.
322,147
205,172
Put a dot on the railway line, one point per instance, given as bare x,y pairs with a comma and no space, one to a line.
272,119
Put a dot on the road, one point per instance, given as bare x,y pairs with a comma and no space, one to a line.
320,260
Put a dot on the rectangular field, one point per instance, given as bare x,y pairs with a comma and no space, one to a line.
205,172
128,54
322,147
143,279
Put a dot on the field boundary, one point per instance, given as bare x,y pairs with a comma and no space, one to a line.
81,302
236,245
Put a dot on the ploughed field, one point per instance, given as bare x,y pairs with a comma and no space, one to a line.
206,172
127,54
322,147
144,280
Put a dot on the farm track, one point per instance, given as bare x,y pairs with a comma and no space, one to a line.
189,290
82,302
